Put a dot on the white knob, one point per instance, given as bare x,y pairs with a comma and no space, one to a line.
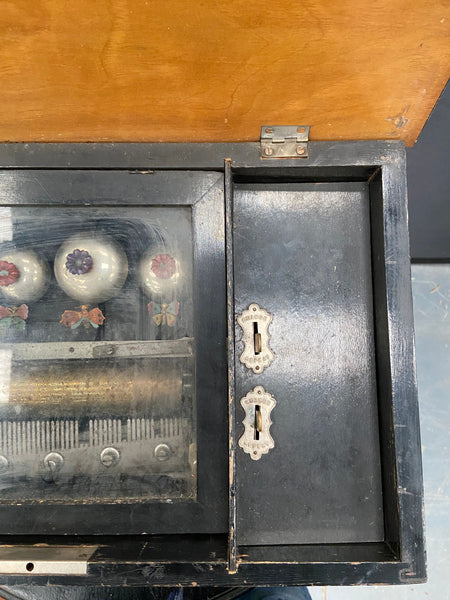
91,269
24,276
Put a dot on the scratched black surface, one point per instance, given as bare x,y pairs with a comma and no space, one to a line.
303,254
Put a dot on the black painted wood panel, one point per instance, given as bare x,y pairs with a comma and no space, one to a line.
303,254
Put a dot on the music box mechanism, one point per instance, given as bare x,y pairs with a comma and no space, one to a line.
97,350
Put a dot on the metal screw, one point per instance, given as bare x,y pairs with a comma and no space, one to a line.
109,457
54,462
268,151
301,130
300,150
269,130
3,464
162,452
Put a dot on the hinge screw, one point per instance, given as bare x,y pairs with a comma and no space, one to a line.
300,150
268,151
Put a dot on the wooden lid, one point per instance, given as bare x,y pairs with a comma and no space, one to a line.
185,70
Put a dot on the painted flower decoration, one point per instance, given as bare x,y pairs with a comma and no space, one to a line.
164,266
13,317
8,273
79,262
74,318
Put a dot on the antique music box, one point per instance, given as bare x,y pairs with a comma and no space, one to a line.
208,364
206,335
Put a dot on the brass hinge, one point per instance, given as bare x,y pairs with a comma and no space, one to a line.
284,141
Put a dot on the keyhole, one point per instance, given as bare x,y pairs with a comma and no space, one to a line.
256,339
258,422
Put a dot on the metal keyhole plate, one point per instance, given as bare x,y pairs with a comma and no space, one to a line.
257,354
258,405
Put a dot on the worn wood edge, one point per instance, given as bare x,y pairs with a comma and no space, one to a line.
201,156
232,545
403,366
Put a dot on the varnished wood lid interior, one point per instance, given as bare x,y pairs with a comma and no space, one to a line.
185,70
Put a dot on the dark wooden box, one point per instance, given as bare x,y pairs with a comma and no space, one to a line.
320,243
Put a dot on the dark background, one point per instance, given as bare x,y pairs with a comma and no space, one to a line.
428,166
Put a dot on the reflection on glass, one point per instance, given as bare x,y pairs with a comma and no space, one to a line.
97,353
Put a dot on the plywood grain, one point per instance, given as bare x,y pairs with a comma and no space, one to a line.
199,70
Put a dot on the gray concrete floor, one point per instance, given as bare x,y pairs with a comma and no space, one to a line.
431,294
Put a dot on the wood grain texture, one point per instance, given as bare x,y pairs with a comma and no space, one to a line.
185,70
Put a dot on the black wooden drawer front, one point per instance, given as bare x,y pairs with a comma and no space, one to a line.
303,253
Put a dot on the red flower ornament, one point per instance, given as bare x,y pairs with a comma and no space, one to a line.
8,273
164,266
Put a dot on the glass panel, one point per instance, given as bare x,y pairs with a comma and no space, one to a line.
97,354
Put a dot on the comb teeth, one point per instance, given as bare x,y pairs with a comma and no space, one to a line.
34,437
